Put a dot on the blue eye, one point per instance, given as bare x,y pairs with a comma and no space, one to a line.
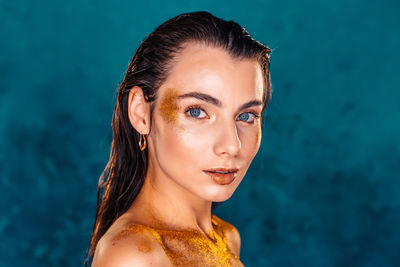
195,112
245,116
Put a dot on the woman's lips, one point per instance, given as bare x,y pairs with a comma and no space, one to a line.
222,178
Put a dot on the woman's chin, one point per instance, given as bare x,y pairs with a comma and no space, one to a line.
219,194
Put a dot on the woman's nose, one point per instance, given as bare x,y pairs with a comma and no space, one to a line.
228,141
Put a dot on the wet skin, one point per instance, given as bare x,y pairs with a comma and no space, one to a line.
206,116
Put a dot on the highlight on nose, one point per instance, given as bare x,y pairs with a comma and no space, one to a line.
228,142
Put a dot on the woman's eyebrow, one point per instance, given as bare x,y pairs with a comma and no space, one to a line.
216,102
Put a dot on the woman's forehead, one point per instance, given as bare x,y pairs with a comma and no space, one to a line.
213,71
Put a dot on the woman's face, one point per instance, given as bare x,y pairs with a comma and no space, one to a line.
200,122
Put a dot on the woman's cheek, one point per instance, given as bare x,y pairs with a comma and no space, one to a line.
168,107
194,135
169,110
258,135
250,136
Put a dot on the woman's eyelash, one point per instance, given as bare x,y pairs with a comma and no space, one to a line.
255,114
193,107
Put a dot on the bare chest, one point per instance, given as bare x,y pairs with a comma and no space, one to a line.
191,248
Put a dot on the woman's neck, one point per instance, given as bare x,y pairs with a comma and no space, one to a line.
164,203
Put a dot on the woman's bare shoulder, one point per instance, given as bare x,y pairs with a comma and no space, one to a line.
231,234
130,245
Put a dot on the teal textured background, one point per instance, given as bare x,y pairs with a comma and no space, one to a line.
324,189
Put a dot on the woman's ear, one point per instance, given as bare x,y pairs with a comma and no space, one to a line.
139,110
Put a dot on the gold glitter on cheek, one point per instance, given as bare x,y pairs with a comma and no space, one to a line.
168,106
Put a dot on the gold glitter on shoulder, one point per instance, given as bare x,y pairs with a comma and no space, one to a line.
188,247
229,232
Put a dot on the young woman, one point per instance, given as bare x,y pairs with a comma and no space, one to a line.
186,127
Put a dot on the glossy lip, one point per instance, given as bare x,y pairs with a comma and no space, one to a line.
222,178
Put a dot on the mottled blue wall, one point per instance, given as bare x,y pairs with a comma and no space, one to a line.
324,189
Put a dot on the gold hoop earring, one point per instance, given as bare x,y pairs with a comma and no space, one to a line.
142,142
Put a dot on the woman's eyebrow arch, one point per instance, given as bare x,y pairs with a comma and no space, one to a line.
216,102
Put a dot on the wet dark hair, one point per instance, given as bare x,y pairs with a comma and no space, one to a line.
124,174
